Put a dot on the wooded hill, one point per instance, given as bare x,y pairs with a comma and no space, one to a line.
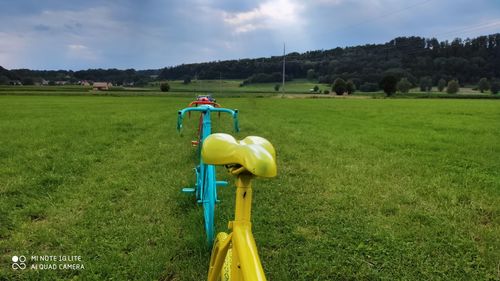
412,57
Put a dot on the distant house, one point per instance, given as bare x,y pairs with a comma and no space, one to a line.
84,83
101,86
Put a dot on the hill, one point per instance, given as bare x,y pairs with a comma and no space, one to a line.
413,57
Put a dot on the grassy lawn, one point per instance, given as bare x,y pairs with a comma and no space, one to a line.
224,86
367,189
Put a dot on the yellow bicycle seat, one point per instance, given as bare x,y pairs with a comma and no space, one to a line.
256,154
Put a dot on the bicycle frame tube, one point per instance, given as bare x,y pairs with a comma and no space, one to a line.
204,109
246,263
206,183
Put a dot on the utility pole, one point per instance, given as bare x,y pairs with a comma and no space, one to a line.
283,82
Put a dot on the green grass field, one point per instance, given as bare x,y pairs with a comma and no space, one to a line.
368,189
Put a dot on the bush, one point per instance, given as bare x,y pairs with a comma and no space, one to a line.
483,85
350,87
339,86
326,92
388,84
425,84
277,87
164,87
316,88
404,85
187,79
495,87
441,84
453,87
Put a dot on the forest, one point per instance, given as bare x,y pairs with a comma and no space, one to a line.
466,60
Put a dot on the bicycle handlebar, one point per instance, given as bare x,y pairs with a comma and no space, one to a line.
182,112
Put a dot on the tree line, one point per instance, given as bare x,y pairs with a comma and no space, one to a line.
414,58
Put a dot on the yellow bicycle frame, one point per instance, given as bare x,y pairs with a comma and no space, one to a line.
245,261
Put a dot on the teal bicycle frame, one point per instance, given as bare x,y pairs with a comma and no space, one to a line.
206,183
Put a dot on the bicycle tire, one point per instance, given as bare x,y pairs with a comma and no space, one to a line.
209,191
225,274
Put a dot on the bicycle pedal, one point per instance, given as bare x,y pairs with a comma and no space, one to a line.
188,190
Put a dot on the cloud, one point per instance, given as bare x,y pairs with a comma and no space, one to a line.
272,15
81,52
80,34
12,49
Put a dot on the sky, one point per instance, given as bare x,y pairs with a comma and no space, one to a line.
151,34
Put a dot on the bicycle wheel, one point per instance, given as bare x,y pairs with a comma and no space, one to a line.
225,273
209,192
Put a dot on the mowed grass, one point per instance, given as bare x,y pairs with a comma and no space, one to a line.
367,189
233,86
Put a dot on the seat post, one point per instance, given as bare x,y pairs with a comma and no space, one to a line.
243,207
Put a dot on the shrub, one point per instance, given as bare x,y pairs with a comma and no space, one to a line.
425,84
164,87
316,88
404,85
453,87
326,92
350,87
495,87
339,86
388,84
483,85
187,79
441,84
277,87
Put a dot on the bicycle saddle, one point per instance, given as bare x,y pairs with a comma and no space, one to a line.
255,154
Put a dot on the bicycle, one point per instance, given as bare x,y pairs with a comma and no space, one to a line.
234,256
206,183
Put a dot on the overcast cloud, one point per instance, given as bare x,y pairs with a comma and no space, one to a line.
154,34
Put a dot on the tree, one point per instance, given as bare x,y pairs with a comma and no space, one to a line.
311,74
164,86
369,87
495,87
187,79
28,81
4,80
453,87
441,84
350,87
388,84
404,85
339,86
425,84
277,87
316,88
483,85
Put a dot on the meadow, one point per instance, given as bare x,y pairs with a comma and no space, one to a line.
368,189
